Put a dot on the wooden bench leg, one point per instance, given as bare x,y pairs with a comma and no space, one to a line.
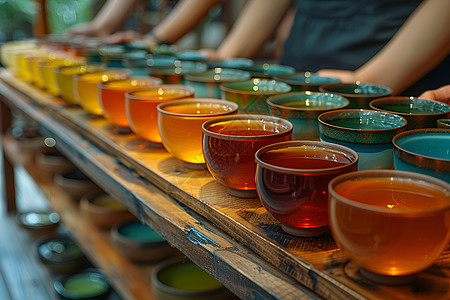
8,168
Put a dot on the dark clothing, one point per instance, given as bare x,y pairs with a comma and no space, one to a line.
345,34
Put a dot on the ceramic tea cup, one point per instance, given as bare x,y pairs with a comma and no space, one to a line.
302,110
359,94
368,132
305,81
140,108
230,144
206,84
292,179
443,123
425,151
173,73
111,96
268,70
393,224
251,95
180,126
419,113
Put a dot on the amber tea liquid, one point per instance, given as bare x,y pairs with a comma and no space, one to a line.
396,231
300,199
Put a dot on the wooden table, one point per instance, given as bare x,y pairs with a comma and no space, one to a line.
234,239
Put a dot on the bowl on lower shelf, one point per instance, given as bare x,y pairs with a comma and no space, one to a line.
102,210
74,183
88,284
39,223
183,280
50,161
139,242
60,254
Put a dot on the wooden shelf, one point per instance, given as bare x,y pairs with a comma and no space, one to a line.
235,240
131,281
242,271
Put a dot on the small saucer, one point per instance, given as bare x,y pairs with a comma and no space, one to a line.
386,279
247,194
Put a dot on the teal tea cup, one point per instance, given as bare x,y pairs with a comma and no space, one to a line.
368,132
359,94
425,151
268,70
206,84
306,81
443,123
230,63
419,113
302,110
251,95
173,73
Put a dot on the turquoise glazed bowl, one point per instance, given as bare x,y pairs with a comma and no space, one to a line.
368,132
359,94
136,61
419,113
302,110
183,280
173,73
139,242
443,123
192,55
89,284
230,63
267,70
207,84
251,95
425,151
60,254
306,81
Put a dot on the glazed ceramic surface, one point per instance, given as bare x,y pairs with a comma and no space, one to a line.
392,223
89,284
251,95
180,125
230,144
174,73
443,123
419,113
111,96
425,151
306,81
302,110
292,179
206,84
231,63
359,94
268,70
368,132
140,108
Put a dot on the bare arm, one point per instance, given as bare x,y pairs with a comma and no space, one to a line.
420,44
253,27
183,18
109,18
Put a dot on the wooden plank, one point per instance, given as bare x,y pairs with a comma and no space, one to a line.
8,170
315,262
234,265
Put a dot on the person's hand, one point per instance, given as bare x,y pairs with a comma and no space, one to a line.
124,37
210,53
344,76
441,94
85,29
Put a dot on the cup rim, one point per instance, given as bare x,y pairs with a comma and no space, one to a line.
272,104
209,133
130,95
426,179
115,71
160,107
224,87
323,123
298,143
196,77
286,78
324,88
405,98
106,85
418,131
